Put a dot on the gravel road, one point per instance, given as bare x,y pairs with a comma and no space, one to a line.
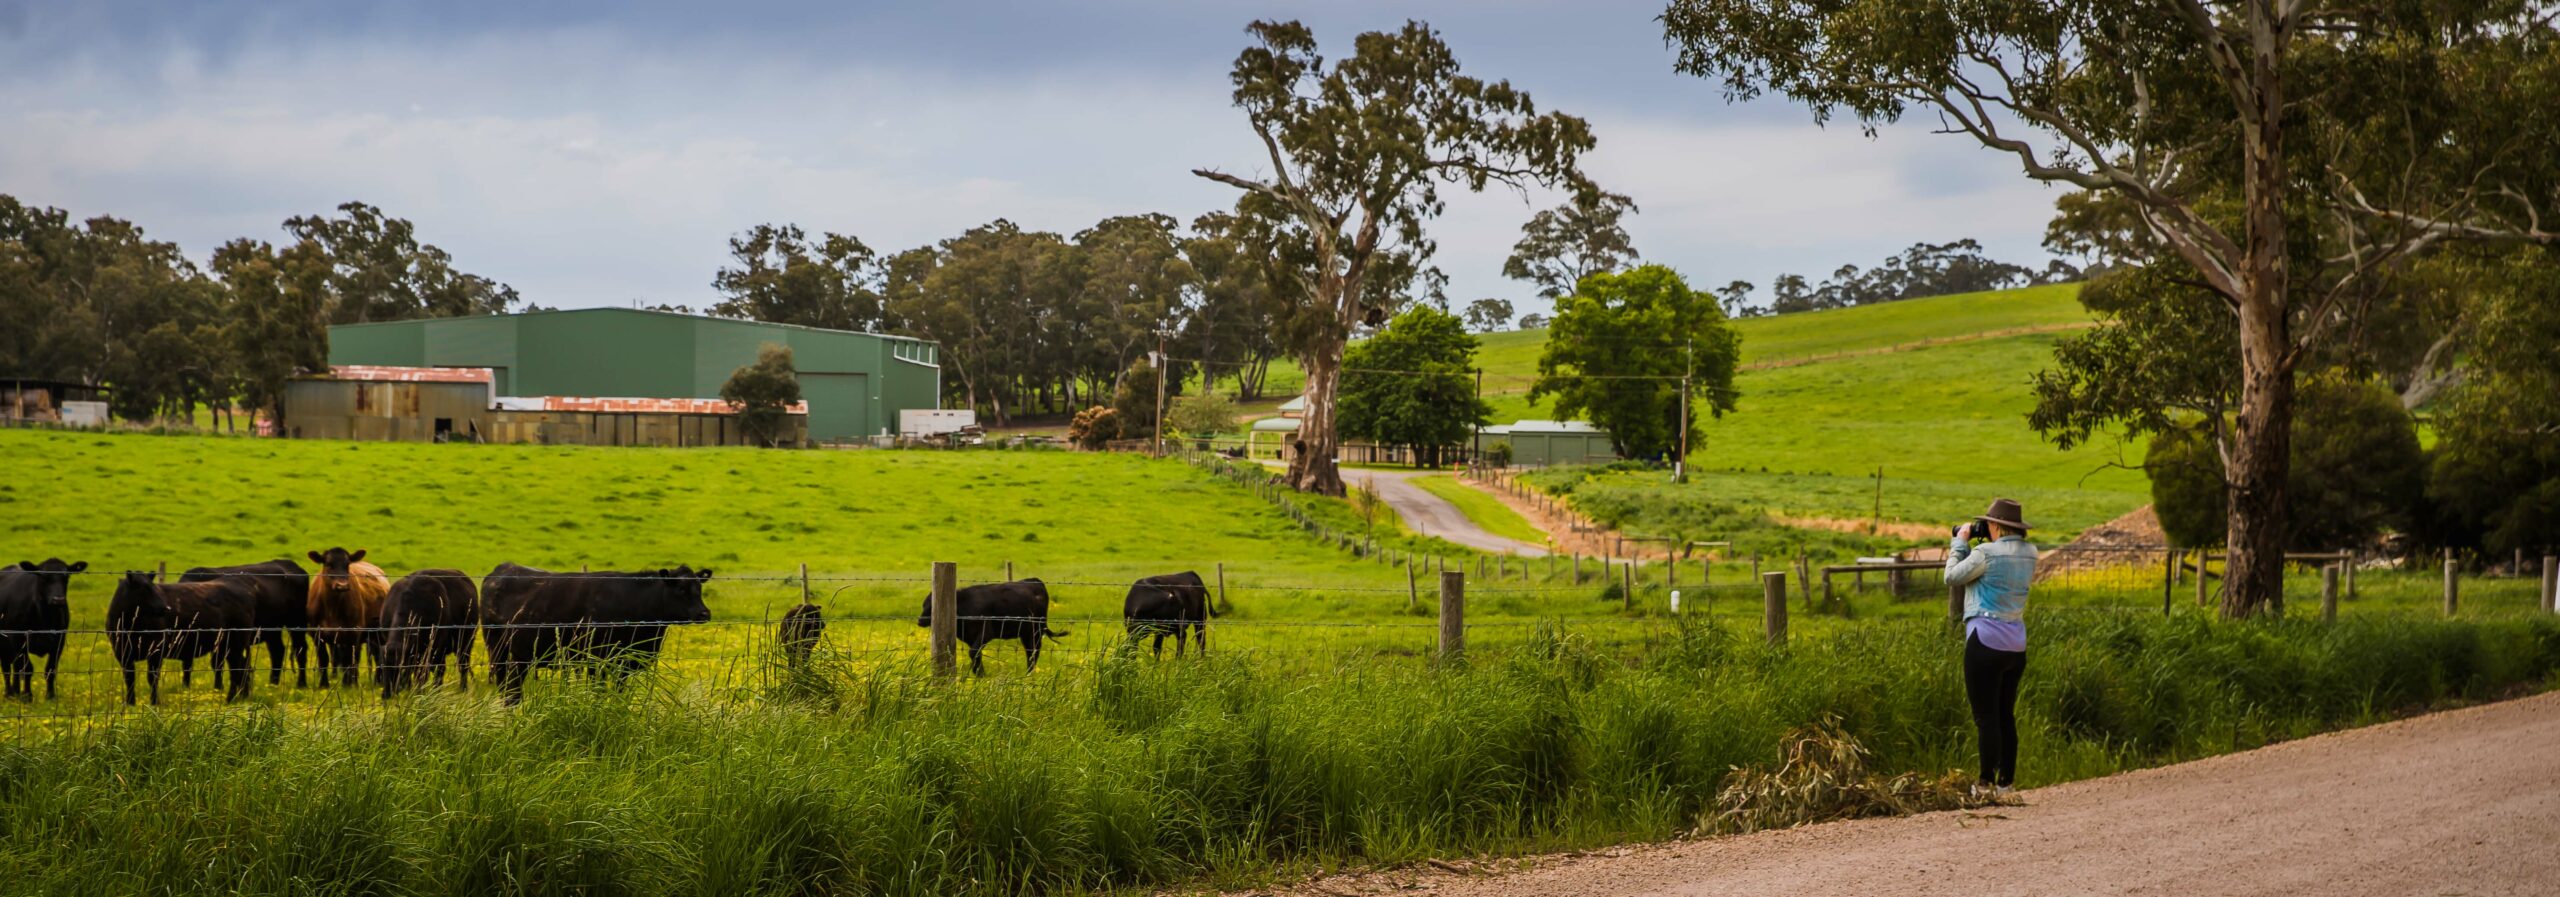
1430,515
2465,802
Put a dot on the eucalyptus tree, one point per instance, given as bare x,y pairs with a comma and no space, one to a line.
2280,152
1357,152
779,274
1560,246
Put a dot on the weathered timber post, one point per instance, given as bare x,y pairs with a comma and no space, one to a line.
1773,607
2550,584
2452,585
946,619
1008,572
1627,584
1955,605
1577,569
1453,617
1412,593
2168,578
2329,594
2203,558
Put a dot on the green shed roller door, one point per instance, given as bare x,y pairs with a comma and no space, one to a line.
839,405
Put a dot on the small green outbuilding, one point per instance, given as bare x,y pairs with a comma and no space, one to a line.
855,383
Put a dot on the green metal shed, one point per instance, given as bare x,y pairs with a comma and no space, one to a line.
855,383
1542,443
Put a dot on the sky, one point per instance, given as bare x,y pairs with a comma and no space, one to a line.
602,154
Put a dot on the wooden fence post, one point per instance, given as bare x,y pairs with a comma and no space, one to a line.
1412,592
1773,607
2452,586
2168,578
1008,572
2351,572
1827,597
1222,587
1627,584
2203,559
946,619
1577,569
2550,584
1453,617
804,583
2329,594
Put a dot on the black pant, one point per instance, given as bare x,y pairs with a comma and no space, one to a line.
1991,685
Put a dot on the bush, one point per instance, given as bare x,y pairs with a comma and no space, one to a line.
1206,414
762,391
2356,471
1093,427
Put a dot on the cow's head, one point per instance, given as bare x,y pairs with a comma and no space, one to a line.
333,567
137,602
53,578
683,594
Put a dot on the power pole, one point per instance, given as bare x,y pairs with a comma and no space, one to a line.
1479,455
1158,361
1680,465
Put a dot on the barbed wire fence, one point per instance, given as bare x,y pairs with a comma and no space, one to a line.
886,625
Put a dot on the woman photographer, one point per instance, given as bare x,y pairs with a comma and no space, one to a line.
1996,574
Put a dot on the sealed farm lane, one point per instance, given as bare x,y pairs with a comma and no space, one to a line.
2465,802
1430,515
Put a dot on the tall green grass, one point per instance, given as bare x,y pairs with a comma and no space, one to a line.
860,778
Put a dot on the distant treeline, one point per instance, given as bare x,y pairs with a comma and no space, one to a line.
1925,269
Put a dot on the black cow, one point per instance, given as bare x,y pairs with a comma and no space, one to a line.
428,617
1001,610
35,612
1172,604
151,621
799,633
534,618
281,586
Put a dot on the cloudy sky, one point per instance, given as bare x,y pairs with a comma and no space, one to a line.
598,154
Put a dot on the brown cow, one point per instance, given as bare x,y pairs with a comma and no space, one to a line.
345,611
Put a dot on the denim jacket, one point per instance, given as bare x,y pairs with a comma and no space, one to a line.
1998,573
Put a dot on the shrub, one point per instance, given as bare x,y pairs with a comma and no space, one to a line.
1206,414
2356,471
761,391
1093,427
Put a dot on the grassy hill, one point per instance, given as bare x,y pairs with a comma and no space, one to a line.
1935,391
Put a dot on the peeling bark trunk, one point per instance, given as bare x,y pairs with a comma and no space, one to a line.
1315,468
2262,442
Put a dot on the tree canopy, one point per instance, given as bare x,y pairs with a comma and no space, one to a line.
780,275
1618,349
1412,384
1357,151
762,392
1561,246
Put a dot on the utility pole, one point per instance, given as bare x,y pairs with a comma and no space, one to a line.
1158,362
1680,466
1479,455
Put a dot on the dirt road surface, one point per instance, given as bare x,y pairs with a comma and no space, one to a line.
2465,802
1430,515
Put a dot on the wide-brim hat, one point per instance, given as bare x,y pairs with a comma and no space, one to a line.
2005,511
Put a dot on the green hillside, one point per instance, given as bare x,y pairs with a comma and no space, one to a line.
1935,391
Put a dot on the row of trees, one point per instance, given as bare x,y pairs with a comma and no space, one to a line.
97,301
1925,269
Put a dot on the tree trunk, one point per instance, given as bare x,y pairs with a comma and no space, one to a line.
2263,436
1314,468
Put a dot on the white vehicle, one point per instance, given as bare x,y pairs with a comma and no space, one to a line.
926,423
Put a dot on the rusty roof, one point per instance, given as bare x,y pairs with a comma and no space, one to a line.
389,374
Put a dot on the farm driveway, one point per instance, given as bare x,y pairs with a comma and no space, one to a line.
1430,515
2460,802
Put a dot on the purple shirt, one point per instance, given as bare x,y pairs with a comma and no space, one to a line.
1997,634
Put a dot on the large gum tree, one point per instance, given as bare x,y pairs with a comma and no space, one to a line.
2245,135
1357,152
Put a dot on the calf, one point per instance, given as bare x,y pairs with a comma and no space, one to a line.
799,633
283,590
151,622
534,618
1001,610
1172,604
344,603
427,617
35,612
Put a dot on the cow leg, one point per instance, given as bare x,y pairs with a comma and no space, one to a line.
301,659
1203,637
153,674
462,661
186,672
977,663
51,661
238,657
128,681
213,664
1181,639
275,654
1031,652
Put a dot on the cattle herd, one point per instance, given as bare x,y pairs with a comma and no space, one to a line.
349,611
